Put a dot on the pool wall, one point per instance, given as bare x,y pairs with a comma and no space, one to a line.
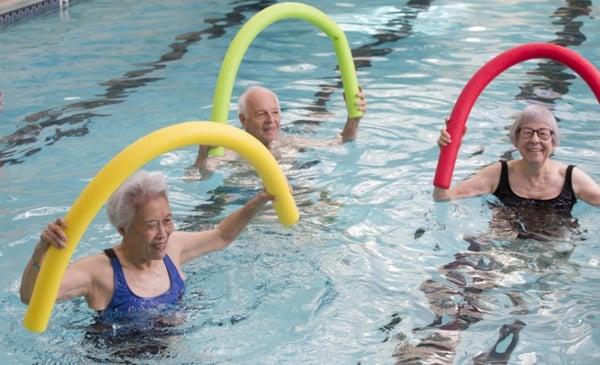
15,11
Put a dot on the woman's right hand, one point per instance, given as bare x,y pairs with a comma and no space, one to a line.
54,235
444,138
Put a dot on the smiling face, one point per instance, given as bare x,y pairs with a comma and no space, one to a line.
148,234
534,149
261,117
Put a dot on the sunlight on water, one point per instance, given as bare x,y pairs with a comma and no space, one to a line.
373,261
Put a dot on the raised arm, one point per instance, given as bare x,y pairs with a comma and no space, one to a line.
77,280
585,187
351,127
195,244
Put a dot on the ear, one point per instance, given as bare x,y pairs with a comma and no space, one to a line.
122,231
242,118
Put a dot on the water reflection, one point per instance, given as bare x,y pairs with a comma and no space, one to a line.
550,79
519,242
395,30
73,120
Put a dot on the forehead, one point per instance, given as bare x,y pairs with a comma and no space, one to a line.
153,208
536,123
261,100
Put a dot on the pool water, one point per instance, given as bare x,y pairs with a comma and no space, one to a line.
349,283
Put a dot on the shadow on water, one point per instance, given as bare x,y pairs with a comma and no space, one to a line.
552,79
394,30
522,240
73,120
519,240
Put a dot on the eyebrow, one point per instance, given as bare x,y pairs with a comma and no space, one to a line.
170,215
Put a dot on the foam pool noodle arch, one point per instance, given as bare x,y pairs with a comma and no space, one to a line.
240,43
115,172
500,63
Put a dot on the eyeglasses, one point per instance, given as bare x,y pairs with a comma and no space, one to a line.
543,133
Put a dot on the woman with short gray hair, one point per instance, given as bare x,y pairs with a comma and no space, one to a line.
535,180
143,271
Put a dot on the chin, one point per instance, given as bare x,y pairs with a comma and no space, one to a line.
159,254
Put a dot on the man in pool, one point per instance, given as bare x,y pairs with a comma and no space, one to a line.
143,272
260,115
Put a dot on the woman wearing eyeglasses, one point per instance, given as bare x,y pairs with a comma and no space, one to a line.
533,181
536,195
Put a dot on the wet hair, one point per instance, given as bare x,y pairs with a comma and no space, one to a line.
243,102
124,203
531,113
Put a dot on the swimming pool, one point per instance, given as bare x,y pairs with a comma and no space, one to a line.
344,284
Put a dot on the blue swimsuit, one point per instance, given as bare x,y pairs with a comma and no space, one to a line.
125,301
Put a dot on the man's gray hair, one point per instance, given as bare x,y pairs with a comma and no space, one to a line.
537,113
243,102
125,202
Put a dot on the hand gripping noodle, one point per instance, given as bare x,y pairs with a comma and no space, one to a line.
245,36
126,163
471,91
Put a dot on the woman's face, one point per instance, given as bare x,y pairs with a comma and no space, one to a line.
535,141
149,232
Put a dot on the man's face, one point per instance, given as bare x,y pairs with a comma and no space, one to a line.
262,119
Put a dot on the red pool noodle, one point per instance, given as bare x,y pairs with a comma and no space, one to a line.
458,119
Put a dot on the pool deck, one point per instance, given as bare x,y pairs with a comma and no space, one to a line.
11,5
14,11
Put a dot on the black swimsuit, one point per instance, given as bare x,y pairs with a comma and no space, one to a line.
564,202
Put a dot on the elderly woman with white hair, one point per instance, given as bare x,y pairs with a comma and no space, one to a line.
534,180
143,271
536,195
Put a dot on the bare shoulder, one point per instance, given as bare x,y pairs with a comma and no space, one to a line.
95,265
488,178
560,167
579,175
492,170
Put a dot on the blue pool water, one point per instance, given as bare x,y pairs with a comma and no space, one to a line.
345,285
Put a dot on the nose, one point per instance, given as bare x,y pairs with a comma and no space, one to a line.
162,229
269,117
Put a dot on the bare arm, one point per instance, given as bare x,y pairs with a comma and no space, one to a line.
77,280
484,182
195,244
200,166
351,127
585,187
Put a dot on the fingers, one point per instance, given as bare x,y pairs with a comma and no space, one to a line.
444,138
54,234
361,102
263,195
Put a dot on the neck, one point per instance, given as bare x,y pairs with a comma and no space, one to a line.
137,260
534,170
